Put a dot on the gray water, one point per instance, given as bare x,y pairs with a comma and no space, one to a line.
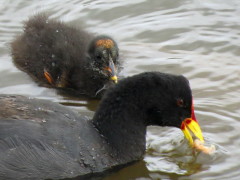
196,38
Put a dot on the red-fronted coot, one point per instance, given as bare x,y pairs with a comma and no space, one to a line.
44,140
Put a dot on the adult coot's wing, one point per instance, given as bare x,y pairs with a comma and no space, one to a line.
24,158
40,139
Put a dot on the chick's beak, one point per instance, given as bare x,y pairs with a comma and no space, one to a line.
112,70
190,128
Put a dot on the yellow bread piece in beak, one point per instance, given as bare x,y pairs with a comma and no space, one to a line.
199,145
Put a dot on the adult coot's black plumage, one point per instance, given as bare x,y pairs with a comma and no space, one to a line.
44,140
60,56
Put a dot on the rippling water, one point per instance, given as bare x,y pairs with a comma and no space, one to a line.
196,38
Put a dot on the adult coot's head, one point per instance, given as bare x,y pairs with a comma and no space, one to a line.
52,142
62,56
147,99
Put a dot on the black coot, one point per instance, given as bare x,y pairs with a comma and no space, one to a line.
44,140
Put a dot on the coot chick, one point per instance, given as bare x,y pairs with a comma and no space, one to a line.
44,140
60,56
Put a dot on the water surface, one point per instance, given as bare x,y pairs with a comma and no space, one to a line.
196,38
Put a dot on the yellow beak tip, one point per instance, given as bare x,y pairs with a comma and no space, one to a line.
191,129
114,79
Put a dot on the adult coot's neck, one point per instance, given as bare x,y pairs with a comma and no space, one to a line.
121,122
121,118
136,102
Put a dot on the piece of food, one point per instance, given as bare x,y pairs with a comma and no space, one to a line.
199,145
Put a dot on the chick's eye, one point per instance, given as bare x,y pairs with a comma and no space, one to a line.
117,56
180,102
98,57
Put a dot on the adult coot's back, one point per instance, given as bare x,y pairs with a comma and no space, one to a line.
43,140
57,55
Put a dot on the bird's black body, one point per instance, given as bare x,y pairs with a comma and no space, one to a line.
43,140
72,57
